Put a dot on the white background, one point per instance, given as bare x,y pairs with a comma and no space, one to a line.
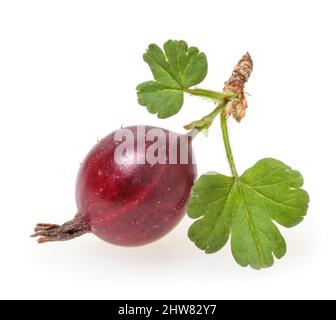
68,71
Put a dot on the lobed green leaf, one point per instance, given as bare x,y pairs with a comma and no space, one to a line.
246,208
175,69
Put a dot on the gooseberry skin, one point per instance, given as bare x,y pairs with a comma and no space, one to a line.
132,204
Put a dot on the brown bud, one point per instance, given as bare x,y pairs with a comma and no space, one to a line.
236,84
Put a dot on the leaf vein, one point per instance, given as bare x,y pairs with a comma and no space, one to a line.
272,200
164,68
248,214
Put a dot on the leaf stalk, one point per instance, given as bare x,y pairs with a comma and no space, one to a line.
212,95
226,139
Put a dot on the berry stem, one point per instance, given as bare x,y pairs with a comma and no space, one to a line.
226,139
206,121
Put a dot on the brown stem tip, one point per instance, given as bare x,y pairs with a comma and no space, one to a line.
52,232
236,84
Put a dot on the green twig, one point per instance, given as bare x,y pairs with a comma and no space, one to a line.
225,133
212,95
206,121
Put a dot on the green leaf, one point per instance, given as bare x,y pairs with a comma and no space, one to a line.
246,208
159,99
175,70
